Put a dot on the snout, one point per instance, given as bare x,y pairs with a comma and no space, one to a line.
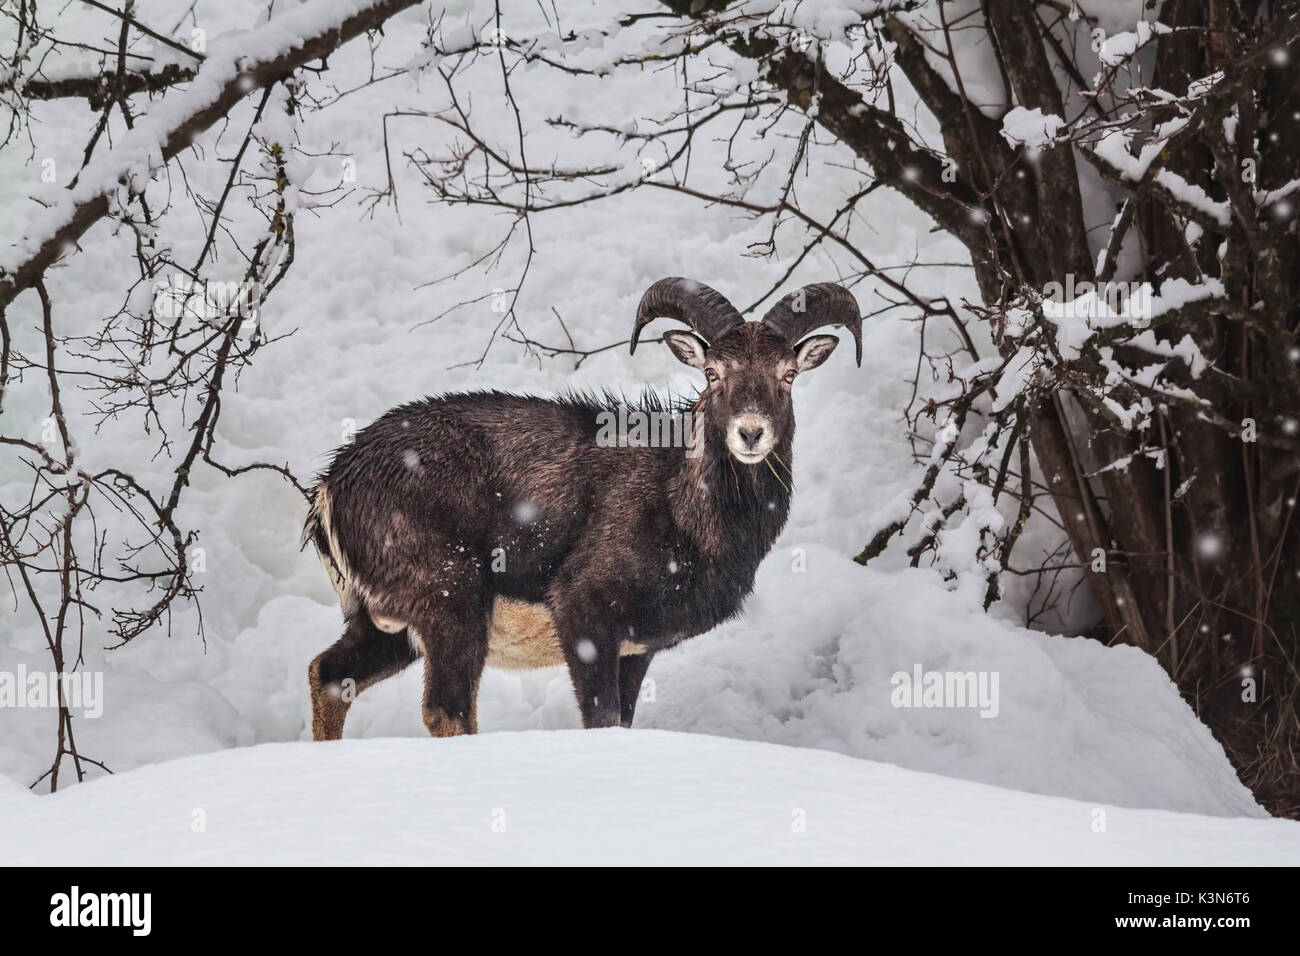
750,437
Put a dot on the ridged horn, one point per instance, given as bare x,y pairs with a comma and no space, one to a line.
705,310
814,306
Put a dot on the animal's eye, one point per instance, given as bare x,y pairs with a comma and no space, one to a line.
789,376
711,374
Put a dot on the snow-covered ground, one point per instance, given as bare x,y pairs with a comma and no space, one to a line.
811,665
636,798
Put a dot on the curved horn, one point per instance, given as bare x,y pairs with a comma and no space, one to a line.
822,303
705,310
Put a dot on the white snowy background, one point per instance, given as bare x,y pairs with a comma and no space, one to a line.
808,666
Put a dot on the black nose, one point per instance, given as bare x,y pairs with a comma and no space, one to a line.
751,435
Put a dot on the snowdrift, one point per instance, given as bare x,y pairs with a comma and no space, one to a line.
590,797
809,665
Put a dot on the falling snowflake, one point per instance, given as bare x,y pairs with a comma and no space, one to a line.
1209,545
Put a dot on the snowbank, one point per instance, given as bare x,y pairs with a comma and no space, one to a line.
811,665
591,797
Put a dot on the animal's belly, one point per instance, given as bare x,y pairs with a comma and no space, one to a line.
521,636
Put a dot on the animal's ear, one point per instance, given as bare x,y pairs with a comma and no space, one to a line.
811,352
688,348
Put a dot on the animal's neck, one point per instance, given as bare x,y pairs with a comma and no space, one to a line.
724,506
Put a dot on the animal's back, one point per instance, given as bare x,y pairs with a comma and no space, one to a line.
437,461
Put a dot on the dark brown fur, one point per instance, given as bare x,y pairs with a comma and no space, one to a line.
621,544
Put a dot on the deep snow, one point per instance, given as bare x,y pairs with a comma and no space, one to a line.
811,662
591,797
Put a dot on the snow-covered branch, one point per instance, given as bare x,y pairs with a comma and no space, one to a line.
235,66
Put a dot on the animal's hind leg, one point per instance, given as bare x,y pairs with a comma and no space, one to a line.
453,630
364,655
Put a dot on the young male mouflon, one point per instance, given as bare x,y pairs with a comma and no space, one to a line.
495,529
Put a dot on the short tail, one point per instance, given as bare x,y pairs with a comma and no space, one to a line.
313,528
319,530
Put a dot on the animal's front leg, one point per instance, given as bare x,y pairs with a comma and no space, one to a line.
596,685
592,657
631,672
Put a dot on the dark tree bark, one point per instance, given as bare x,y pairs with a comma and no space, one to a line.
1197,520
